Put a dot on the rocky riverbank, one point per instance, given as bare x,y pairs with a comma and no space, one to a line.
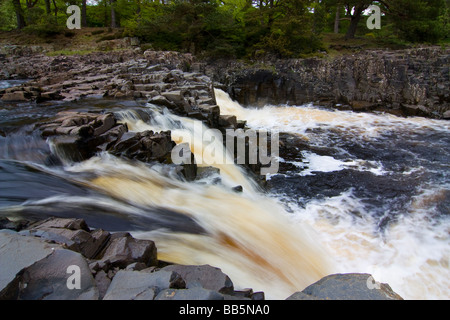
412,82
64,259
118,266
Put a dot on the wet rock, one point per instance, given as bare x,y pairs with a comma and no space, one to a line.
204,172
446,115
145,146
183,157
162,101
50,95
17,96
228,121
133,285
362,105
213,115
103,123
73,234
258,296
15,225
205,276
347,287
237,189
415,110
123,250
78,136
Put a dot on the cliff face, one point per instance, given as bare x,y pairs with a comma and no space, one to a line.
405,82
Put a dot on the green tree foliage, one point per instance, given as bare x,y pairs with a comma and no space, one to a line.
7,15
420,20
236,28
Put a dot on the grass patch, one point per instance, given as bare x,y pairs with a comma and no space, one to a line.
337,45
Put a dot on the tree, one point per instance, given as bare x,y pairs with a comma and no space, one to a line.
355,10
47,7
83,13
114,22
419,20
337,18
19,14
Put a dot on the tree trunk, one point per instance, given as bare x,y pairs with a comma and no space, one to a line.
48,10
19,14
138,7
355,18
56,11
336,20
83,14
113,14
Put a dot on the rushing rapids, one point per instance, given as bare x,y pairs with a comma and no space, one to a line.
356,192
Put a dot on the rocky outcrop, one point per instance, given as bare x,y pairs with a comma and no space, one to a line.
164,78
144,146
411,82
64,259
77,136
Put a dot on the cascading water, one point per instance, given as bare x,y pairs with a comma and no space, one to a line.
374,186
356,192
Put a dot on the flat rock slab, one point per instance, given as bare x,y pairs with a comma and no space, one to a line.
18,252
33,269
134,285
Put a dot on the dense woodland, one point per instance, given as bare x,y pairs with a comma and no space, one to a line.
237,28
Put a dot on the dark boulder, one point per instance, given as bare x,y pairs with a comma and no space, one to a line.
50,278
77,136
74,234
122,250
17,96
145,146
15,225
18,252
204,276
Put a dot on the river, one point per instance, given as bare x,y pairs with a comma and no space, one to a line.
355,192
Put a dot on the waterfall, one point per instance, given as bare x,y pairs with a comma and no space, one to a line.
248,235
